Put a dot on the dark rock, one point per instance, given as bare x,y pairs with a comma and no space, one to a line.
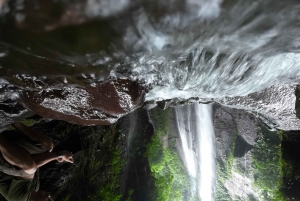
297,104
246,124
225,131
290,153
241,147
5,121
149,105
102,104
137,174
164,104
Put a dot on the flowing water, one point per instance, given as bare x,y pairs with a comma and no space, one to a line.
196,132
176,48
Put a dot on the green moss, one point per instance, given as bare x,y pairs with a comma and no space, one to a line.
98,177
230,158
155,155
168,172
238,168
66,198
130,193
268,165
110,191
28,122
221,192
160,121
223,171
225,165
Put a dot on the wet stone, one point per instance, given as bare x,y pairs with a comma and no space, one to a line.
101,104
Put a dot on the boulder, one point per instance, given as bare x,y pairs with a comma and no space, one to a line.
275,106
101,104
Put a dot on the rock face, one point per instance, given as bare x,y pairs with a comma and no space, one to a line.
247,155
102,104
233,129
276,106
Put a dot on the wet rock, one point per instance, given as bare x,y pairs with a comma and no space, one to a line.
235,132
101,104
275,106
10,109
149,105
225,131
241,147
5,121
164,104
234,128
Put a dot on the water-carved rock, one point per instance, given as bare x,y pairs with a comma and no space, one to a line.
102,104
276,106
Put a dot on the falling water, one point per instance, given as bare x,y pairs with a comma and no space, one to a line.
177,49
196,132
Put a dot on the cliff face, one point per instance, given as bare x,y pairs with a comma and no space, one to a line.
234,130
248,157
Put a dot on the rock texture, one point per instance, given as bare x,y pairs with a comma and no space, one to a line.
233,126
276,106
247,155
102,104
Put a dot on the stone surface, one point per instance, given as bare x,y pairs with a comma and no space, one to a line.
234,129
102,104
5,121
225,131
229,124
275,106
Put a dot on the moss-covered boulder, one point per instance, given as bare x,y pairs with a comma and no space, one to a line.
250,164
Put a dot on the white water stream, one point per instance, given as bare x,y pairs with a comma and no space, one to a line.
197,150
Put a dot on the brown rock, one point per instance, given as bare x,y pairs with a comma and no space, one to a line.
102,104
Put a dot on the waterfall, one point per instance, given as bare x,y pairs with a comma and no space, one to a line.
196,148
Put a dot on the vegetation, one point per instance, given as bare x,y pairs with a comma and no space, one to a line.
28,122
101,163
223,168
269,168
228,160
170,178
221,193
268,165
110,190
